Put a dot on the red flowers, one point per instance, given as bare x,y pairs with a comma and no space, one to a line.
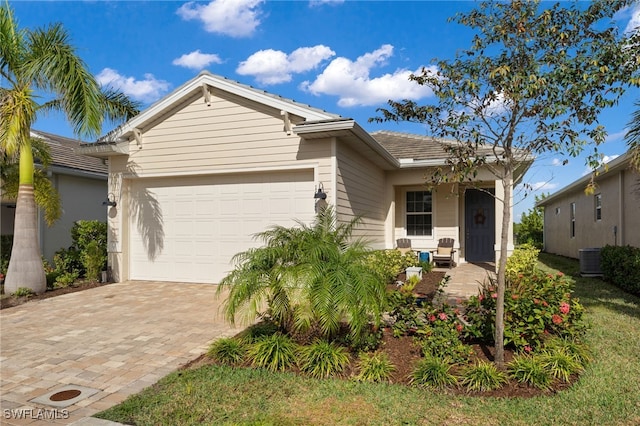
443,316
564,308
557,319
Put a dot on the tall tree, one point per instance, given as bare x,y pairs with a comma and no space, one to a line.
531,225
533,81
33,64
633,138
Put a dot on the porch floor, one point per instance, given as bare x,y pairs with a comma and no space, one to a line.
465,281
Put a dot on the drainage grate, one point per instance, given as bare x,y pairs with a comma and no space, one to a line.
65,396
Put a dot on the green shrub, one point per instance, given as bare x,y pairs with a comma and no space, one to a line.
257,331
228,350
276,352
51,279
322,359
621,267
94,260
530,369
433,372
84,232
483,376
6,243
441,337
579,351
65,279
389,263
537,306
374,367
403,310
560,364
23,292
68,261
523,260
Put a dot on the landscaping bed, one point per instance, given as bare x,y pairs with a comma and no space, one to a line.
9,301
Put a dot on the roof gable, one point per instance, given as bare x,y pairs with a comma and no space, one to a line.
206,83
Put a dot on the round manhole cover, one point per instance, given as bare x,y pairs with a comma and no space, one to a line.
65,395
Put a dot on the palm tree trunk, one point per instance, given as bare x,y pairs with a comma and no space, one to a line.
25,266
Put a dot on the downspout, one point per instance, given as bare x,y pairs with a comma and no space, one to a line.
621,218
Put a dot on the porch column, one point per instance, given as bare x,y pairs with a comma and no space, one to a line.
390,221
499,188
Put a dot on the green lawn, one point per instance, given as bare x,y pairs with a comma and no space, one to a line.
608,393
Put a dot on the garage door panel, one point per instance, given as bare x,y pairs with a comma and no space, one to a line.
207,220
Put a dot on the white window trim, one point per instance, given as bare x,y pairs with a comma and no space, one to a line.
433,215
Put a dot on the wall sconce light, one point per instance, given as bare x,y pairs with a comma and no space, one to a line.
110,201
320,194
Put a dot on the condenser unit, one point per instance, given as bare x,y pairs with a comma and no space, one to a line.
590,262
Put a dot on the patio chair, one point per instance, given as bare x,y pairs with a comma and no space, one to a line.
444,253
404,246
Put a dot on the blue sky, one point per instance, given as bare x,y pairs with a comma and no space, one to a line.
346,57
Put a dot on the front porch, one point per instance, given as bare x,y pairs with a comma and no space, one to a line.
465,280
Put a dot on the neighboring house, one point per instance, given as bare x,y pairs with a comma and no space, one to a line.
574,220
82,184
202,170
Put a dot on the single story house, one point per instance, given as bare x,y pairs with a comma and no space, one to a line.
574,220
198,173
81,182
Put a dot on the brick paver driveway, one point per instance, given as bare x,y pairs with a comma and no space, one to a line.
116,339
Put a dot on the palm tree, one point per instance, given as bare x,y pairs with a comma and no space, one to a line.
633,138
307,278
35,63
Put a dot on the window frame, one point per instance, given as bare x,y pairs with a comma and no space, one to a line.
572,217
597,200
408,213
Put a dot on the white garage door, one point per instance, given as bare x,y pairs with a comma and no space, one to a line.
191,227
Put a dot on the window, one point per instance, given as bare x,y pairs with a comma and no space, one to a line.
598,203
419,213
557,211
572,209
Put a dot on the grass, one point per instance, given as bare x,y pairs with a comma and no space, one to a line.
608,392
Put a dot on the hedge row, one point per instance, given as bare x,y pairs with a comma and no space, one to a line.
621,266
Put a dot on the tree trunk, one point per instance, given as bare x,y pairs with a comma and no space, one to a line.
25,266
502,267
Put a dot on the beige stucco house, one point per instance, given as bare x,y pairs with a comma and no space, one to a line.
81,182
574,220
214,162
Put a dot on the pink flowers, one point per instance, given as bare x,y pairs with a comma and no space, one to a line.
560,274
494,295
432,318
564,308
459,327
557,319
443,316
527,348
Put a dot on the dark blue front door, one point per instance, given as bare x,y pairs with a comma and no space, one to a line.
480,225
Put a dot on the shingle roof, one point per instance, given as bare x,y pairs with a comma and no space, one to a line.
416,147
63,154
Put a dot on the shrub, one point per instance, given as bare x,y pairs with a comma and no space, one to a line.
228,351
65,279
433,372
275,353
6,243
403,310
84,232
257,331
441,337
621,267
94,260
322,359
579,351
523,260
483,376
68,261
530,369
375,367
560,364
537,306
389,263
23,292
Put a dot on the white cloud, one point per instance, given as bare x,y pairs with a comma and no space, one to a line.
274,66
634,22
351,81
197,60
543,186
556,162
315,3
615,136
235,18
148,90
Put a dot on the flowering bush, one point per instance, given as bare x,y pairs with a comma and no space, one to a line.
441,336
537,306
389,263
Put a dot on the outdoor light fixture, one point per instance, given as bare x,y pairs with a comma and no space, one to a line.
110,201
320,194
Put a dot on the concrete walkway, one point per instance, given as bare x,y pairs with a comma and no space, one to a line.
106,343
465,281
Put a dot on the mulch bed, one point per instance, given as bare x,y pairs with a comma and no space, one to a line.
11,301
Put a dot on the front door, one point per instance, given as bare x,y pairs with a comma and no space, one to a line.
480,225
